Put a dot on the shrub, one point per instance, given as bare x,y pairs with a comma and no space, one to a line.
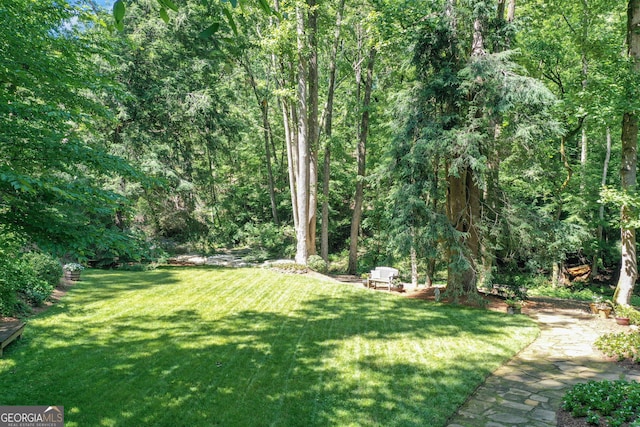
609,403
30,285
29,277
565,293
36,291
316,263
621,345
288,267
45,267
8,289
277,241
516,292
9,273
137,266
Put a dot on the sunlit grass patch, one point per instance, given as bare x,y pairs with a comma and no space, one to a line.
252,347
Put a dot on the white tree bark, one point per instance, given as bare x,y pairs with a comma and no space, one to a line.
603,182
303,144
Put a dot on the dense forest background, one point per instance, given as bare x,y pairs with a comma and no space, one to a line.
466,139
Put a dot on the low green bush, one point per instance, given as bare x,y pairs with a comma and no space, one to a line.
316,263
9,273
288,267
25,278
35,290
610,403
29,285
277,241
44,267
138,266
622,345
564,293
8,295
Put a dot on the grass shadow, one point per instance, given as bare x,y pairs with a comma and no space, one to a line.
252,348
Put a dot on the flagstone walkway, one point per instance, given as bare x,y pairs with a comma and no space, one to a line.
528,390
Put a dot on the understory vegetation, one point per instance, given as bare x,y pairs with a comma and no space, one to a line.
605,403
621,345
195,346
464,143
382,136
26,278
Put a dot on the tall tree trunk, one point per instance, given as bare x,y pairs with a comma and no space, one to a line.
461,277
312,134
361,159
303,143
500,9
477,47
290,127
605,169
629,265
264,110
414,259
324,231
628,262
292,158
558,277
328,123
463,210
511,10
492,203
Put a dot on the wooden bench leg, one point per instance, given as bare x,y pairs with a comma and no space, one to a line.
9,333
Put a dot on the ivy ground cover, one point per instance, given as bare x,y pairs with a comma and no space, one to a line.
252,347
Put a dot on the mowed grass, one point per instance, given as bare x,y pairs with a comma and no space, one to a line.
252,347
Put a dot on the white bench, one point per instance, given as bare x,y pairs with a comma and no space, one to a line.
383,276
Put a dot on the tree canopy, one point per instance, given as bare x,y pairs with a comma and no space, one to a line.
472,138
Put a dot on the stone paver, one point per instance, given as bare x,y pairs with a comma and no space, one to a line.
528,390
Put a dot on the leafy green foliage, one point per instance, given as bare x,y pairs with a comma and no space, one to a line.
169,93
619,198
184,121
478,117
32,288
613,402
119,9
25,278
622,345
10,275
564,293
628,311
316,263
289,267
45,267
275,241
53,162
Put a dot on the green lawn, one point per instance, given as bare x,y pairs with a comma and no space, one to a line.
252,347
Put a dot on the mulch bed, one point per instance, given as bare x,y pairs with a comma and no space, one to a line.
565,419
